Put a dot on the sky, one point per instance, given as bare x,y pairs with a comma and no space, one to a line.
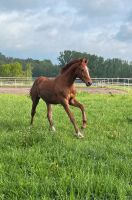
41,29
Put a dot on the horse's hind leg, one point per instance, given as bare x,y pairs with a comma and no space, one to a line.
34,105
49,116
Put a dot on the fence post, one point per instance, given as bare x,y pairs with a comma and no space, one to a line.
108,82
112,81
15,83
124,83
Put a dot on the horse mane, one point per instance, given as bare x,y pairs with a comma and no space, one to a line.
68,65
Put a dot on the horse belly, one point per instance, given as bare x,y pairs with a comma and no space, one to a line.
49,97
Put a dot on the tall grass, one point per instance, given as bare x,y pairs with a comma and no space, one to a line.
36,164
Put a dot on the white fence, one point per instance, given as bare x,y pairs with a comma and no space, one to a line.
112,81
97,82
16,81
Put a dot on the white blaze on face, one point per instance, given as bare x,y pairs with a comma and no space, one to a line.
86,69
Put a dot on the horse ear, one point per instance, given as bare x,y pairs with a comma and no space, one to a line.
81,60
85,61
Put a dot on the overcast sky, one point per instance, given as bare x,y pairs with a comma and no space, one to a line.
40,29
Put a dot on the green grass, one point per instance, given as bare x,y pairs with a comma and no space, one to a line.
36,165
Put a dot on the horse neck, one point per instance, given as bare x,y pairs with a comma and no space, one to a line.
69,76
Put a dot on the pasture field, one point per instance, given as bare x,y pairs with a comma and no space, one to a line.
36,164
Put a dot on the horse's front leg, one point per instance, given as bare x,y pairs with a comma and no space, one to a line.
67,109
49,116
77,104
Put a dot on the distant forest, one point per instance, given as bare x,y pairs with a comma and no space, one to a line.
98,66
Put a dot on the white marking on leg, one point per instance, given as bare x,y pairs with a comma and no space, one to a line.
53,128
80,135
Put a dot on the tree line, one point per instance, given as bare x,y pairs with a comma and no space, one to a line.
98,66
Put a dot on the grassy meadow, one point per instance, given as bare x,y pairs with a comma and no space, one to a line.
36,164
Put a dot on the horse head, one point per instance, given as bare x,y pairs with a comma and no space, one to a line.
82,72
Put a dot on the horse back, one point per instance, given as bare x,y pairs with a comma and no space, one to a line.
36,85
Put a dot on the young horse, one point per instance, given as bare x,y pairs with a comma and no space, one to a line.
61,90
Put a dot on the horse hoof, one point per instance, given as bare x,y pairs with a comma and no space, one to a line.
79,135
83,127
52,128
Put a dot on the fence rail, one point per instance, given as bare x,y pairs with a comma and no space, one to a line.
112,81
97,82
16,81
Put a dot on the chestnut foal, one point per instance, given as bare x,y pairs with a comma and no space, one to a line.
61,90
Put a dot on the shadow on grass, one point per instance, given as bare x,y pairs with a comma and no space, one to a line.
6,125
21,135
129,120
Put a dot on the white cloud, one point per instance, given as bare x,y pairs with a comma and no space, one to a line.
125,33
36,28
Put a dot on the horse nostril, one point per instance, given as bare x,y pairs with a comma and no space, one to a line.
89,84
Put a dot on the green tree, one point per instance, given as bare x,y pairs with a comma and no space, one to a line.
16,69
28,70
99,67
45,68
5,70
11,69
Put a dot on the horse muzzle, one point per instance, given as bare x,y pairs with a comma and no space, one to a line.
88,84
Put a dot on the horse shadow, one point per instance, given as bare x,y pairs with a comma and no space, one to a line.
10,125
129,120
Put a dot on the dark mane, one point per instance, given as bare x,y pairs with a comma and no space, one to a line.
68,65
